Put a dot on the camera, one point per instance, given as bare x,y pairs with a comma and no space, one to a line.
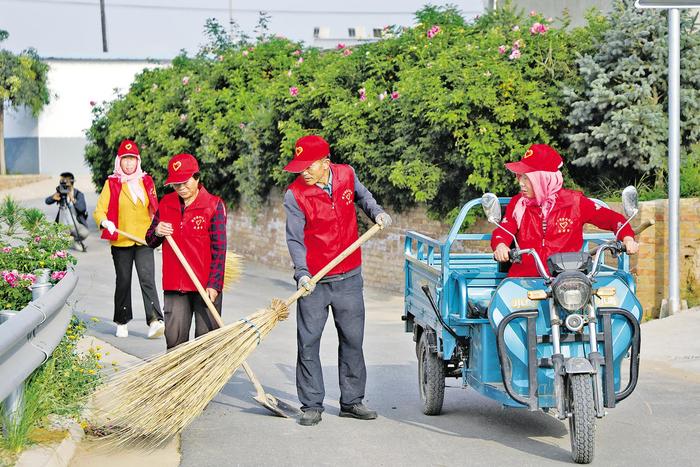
63,189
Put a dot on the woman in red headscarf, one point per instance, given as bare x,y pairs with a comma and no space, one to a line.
547,217
127,202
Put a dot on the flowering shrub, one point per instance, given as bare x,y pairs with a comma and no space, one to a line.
428,114
28,242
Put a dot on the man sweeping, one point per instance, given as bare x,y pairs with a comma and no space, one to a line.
321,223
196,220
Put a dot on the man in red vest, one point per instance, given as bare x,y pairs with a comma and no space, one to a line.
321,223
196,220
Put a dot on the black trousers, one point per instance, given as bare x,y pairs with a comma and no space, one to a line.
345,298
179,308
124,259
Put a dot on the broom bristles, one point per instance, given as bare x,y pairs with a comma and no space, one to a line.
153,401
233,269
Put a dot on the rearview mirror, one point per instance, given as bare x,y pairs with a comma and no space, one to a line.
630,201
492,208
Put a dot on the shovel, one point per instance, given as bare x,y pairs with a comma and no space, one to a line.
270,402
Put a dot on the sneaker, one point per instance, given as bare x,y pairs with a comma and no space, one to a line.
358,411
156,329
122,330
310,417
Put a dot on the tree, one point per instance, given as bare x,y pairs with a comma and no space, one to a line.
22,83
618,118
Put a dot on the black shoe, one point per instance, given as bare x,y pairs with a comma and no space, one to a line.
310,417
358,411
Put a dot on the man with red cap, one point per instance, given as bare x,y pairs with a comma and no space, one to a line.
321,223
196,220
547,217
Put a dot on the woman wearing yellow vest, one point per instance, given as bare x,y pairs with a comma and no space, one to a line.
127,202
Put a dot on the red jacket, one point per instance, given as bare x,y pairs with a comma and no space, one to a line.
115,189
562,231
191,234
331,223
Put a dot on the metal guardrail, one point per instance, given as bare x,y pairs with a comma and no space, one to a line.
28,338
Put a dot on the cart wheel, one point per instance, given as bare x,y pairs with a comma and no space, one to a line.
431,376
581,417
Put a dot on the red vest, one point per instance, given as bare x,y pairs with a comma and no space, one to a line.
115,190
331,223
191,233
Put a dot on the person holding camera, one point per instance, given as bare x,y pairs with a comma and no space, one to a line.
72,209
128,202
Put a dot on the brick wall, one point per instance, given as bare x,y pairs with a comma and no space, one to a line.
262,239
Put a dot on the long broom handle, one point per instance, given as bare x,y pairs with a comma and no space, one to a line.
212,309
347,252
131,237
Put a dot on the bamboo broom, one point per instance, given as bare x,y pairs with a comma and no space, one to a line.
153,401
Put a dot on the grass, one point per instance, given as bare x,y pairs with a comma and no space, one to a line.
61,386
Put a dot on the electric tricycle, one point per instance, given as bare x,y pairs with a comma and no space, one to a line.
555,342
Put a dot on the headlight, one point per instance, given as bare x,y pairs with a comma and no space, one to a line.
572,290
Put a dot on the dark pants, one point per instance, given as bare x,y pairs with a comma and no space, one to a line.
345,298
179,308
124,259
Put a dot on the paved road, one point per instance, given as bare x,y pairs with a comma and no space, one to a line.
657,425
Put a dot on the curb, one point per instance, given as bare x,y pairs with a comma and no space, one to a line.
53,456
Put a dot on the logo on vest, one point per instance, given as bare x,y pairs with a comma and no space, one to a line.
198,222
564,225
347,196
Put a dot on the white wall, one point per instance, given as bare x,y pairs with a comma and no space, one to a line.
74,84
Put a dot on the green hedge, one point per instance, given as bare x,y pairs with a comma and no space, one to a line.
428,114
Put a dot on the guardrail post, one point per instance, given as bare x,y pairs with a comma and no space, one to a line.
13,404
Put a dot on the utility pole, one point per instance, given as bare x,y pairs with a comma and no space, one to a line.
104,25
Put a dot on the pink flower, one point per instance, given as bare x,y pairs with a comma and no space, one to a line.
61,254
37,239
6,249
533,13
296,53
538,28
382,96
502,49
185,80
293,91
10,277
93,103
514,54
241,125
245,53
432,32
57,275
340,46
220,58
516,28
362,92
394,95
301,60
518,44
347,52
28,277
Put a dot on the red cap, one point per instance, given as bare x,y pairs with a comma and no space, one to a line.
307,150
181,168
128,148
540,157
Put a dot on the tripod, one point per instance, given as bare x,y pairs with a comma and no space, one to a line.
65,205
